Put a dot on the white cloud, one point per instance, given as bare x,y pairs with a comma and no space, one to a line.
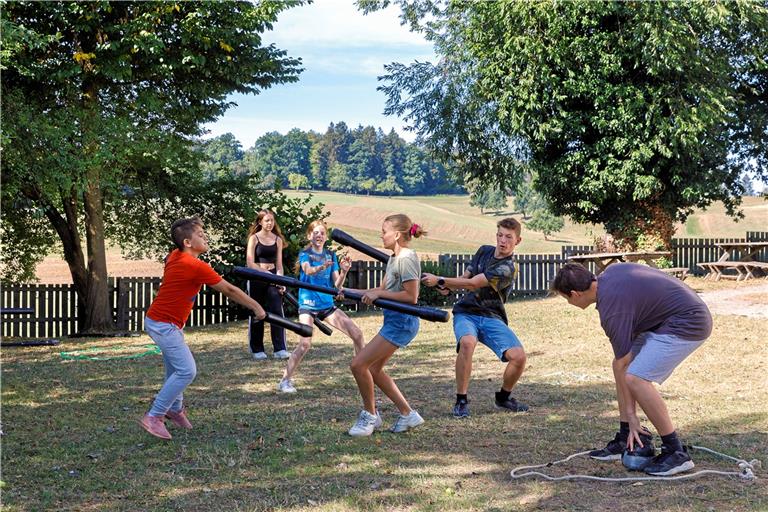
368,65
340,23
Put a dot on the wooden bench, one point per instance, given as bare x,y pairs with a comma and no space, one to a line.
760,266
679,272
716,268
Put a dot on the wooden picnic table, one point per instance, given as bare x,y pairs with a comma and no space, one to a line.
745,266
603,259
748,250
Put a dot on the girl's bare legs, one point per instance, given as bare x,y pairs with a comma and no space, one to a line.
300,351
367,368
342,322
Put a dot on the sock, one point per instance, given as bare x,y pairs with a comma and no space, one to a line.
502,396
624,430
460,397
672,442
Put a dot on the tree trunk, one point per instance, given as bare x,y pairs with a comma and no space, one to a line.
73,248
98,313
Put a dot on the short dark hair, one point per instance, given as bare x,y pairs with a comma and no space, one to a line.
183,229
510,223
572,277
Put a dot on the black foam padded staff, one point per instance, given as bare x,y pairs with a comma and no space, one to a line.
298,328
344,238
425,312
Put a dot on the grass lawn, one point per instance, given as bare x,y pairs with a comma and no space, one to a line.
71,440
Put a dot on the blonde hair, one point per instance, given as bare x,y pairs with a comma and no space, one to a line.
256,226
402,223
310,229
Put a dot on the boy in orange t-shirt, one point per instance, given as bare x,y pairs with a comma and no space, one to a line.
183,276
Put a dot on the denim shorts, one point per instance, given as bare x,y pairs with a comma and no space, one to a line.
490,331
657,355
399,329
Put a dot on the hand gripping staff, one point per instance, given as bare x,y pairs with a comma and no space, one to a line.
427,313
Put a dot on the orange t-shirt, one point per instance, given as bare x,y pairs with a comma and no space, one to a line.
183,277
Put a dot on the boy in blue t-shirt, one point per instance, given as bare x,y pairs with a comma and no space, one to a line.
318,265
480,316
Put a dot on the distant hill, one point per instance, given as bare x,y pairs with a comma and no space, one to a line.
453,225
456,227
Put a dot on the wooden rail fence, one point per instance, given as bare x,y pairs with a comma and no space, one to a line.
56,305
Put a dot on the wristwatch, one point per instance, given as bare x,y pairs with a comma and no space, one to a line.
440,283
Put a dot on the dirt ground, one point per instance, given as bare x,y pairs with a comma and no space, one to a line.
751,301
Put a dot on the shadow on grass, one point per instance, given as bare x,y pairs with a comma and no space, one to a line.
71,440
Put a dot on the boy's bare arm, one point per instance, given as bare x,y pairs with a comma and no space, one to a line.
465,282
239,296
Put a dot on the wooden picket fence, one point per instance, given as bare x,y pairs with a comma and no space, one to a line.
56,306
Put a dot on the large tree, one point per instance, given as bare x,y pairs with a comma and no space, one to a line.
100,103
631,114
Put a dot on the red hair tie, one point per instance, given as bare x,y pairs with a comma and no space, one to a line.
414,228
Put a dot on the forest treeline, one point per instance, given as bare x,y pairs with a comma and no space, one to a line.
363,160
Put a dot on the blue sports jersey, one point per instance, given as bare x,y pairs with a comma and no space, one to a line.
309,299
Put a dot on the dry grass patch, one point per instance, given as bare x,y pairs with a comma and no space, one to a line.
71,441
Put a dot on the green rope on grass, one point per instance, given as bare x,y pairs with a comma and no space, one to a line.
82,355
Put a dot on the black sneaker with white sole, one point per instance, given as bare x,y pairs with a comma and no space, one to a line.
669,463
511,404
615,448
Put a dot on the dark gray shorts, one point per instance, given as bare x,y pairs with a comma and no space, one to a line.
320,315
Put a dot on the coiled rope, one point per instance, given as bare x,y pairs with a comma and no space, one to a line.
746,470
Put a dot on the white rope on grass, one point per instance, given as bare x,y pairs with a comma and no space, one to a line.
746,470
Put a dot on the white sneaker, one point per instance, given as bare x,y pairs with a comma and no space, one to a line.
364,426
407,422
379,422
259,356
281,354
286,386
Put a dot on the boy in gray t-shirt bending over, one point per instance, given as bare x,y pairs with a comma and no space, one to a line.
654,322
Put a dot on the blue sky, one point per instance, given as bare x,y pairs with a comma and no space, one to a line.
343,51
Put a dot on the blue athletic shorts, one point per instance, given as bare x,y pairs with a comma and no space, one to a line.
491,332
657,355
399,329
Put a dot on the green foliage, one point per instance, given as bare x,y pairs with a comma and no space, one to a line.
297,181
545,221
431,296
222,154
101,104
631,113
528,200
363,160
488,199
